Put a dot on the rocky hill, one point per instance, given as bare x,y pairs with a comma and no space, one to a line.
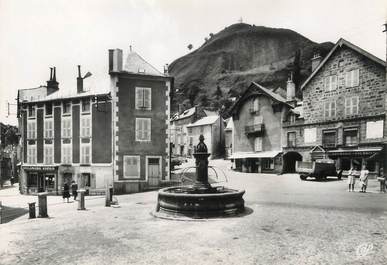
231,59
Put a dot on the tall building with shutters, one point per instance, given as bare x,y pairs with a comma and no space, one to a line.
141,113
65,136
343,113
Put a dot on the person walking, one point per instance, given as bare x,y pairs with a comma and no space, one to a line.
364,178
351,179
382,180
66,191
74,189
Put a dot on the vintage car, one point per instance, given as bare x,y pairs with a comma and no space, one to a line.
319,169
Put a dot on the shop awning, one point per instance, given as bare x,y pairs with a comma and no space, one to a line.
361,152
265,154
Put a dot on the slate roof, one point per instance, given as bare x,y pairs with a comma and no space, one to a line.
185,114
204,121
137,65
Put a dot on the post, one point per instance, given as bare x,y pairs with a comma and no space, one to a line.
42,197
32,210
107,197
81,201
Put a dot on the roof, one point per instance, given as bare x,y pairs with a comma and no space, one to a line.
230,125
137,65
204,121
264,154
210,113
266,91
185,114
340,43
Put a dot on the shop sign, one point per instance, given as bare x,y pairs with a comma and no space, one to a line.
40,168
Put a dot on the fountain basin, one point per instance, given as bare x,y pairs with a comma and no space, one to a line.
186,201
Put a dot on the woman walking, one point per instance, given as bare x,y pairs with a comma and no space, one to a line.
351,179
74,189
364,178
66,191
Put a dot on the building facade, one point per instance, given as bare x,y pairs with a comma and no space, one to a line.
257,118
65,136
343,112
212,128
141,114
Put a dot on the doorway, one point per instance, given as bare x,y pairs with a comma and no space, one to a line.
154,171
289,162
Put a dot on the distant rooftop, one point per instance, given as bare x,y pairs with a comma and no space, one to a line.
204,121
185,114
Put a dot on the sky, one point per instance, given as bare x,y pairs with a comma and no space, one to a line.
38,34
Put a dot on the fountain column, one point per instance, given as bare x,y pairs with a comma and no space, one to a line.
201,159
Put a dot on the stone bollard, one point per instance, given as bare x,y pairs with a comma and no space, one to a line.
32,210
81,200
42,197
107,197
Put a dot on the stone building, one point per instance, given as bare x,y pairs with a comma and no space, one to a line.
141,129
212,128
229,137
257,116
65,136
343,111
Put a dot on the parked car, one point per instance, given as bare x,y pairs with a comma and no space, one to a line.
320,169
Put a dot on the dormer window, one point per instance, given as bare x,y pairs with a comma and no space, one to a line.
143,98
141,70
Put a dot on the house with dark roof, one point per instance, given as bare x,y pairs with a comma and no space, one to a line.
257,123
343,112
141,114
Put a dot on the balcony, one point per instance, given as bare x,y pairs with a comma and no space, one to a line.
254,129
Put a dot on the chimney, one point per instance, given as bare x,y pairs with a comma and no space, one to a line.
290,89
79,81
166,71
385,30
115,60
316,60
52,84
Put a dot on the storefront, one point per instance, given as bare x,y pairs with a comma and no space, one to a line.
40,179
258,162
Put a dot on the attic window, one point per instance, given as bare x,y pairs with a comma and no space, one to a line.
141,70
185,112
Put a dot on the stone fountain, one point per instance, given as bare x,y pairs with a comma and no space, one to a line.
200,200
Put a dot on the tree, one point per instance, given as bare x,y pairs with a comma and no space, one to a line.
10,135
218,92
190,46
203,100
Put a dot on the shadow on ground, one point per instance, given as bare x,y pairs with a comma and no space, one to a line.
10,213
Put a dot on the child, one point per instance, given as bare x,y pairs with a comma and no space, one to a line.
364,178
351,179
382,180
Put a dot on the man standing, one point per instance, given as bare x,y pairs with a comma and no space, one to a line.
74,189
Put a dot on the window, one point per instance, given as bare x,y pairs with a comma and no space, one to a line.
143,129
201,129
31,129
31,111
31,154
329,139
86,105
85,154
50,181
48,129
374,129
310,135
85,126
66,107
352,78
143,98
48,109
291,139
255,105
351,106
48,154
268,163
190,130
330,82
330,109
131,167
32,180
66,153
257,144
87,179
191,140
350,137
66,127
258,120
292,118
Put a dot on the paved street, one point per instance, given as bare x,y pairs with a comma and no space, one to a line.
288,221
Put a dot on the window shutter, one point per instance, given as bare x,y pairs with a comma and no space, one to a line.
147,98
333,82
348,79
327,79
326,112
347,106
355,105
139,97
333,109
146,130
356,77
